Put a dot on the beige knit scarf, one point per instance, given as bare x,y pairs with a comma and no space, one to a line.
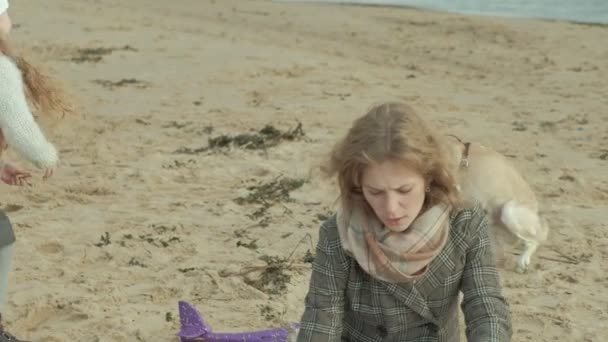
390,256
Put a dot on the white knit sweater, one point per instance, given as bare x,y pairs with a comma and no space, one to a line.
17,123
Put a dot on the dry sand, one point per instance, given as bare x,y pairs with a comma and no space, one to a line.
197,69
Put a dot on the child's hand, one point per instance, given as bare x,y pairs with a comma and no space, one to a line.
48,173
13,176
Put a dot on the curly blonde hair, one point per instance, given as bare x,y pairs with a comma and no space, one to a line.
392,131
42,91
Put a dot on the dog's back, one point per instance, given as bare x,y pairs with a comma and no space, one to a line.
492,180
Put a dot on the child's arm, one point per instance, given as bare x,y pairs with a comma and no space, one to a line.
17,123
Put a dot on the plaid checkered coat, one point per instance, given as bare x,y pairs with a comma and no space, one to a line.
344,303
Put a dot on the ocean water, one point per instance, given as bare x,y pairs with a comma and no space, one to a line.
584,11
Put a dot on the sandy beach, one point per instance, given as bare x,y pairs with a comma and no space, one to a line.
188,171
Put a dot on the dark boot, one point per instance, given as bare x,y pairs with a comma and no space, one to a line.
6,336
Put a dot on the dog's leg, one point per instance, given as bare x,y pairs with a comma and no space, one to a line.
526,225
524,259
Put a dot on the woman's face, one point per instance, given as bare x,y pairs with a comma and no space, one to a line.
395,192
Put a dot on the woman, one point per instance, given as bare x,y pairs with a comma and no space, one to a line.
391,264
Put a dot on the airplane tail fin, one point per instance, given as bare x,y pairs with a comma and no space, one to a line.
192,324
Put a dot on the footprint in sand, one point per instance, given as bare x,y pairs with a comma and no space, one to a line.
50,248
49,314
38,198
533,322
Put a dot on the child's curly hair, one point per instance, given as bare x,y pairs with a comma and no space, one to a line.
41,90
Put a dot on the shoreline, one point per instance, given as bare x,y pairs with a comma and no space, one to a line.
489,14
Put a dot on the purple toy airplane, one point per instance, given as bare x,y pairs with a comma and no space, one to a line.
194,328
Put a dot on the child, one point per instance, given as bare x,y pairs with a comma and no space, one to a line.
21,85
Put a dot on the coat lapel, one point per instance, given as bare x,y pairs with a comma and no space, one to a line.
415,295
412,298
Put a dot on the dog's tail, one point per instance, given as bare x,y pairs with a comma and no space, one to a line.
524,223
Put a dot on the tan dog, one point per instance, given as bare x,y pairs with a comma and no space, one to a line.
488,177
